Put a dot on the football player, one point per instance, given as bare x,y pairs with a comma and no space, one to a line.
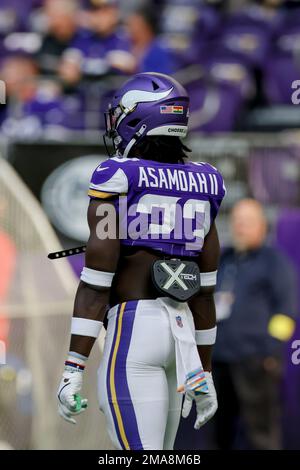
152,282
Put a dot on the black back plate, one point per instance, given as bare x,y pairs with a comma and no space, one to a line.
176,278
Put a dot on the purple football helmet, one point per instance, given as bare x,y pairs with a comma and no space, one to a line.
148,104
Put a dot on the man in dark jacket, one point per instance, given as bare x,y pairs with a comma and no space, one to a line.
255,307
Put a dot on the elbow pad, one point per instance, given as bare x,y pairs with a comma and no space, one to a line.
86,327
206,337
96,278
208,279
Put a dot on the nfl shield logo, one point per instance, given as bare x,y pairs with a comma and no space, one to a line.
179,322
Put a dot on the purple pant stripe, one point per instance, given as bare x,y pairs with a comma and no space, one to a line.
121,383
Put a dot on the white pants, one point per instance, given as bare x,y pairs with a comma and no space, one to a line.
137,377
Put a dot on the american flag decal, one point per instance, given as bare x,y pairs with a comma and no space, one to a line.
171,110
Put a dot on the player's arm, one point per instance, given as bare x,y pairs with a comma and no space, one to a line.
91,302
92,297
203,310
203,305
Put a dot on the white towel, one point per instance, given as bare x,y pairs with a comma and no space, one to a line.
187,357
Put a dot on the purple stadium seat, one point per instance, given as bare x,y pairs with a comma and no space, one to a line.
188,29
282,66
214,106
14,14
248,34
273,168
231,71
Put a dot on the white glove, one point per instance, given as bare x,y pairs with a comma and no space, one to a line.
206,403
70,402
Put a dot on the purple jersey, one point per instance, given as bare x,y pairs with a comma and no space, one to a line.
165,207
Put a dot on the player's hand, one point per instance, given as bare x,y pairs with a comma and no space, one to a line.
206,403
70,402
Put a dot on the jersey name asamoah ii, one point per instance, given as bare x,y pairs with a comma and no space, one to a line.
163,206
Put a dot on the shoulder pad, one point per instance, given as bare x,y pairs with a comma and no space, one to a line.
109,179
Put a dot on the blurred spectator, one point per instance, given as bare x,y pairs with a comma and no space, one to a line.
102,49
33,105
150,54
62,28
19,74
255,303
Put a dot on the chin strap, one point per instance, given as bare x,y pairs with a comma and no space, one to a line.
138,134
